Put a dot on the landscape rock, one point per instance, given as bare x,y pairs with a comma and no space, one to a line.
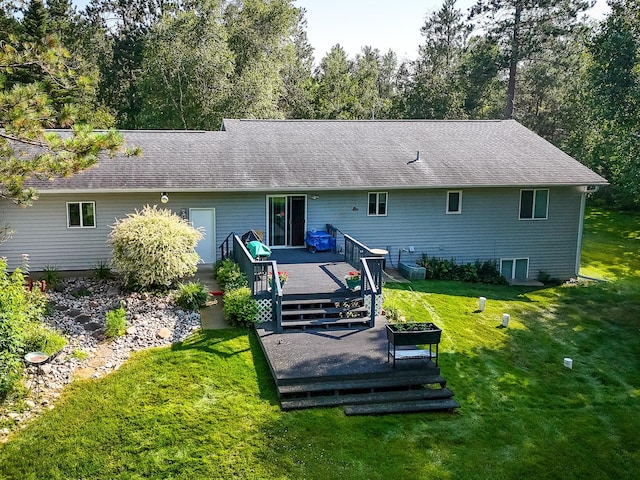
152,321
164,333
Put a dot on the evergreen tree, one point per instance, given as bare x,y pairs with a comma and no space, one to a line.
26,112
521,27
35,21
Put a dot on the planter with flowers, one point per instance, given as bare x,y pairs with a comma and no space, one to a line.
353,279
283,276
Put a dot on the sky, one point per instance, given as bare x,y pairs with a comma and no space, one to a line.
382,24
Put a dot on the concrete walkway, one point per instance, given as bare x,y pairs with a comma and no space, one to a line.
211,316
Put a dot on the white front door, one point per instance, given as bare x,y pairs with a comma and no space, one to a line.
205,218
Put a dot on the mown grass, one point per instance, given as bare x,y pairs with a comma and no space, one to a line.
207,408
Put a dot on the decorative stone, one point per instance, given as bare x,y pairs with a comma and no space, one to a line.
132,330
46,368
164,333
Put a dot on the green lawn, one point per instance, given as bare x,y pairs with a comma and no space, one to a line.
207,408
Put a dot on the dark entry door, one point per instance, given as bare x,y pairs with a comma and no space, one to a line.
297,208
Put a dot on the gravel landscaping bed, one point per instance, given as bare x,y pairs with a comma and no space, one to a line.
79,307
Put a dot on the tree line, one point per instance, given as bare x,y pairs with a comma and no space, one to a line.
186,64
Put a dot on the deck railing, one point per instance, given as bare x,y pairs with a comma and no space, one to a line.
262,275
355,250
371,284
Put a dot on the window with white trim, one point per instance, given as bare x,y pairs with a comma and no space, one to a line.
534,204
81,214
514,268
378,203
454,202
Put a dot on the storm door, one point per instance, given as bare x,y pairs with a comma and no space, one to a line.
286,220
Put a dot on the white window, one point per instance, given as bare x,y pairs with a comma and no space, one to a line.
378,203
454,201
81,214
514,268
534,204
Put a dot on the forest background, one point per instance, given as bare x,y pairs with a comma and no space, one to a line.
187,64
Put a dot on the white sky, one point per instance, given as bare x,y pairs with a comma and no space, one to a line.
381,24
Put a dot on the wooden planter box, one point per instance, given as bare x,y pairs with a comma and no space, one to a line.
411,334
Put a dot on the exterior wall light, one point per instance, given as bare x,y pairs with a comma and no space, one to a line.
164,198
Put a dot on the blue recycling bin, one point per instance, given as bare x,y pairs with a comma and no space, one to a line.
319,241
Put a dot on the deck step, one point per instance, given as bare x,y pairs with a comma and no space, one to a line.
447,404
318,301
361,384
324,322
365,398
322,311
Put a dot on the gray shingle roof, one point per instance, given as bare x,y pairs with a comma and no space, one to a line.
291,155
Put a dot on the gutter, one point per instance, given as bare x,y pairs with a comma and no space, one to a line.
583,201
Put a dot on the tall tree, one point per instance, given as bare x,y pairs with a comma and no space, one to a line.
186,74
336,88
610,134
35,23
521,26
430,89
478,79
119,30
297,73
260,36
26,148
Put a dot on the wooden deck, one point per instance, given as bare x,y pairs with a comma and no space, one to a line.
312,273
348,367
321,360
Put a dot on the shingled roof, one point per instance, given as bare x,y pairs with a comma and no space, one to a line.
295,155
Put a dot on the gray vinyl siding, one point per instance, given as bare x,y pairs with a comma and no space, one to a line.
487,228
41,230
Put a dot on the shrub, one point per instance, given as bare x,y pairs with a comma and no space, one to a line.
153,248
479,271
38,337
240,308
229,276
18,308
192,295
51,275
116,322
102,271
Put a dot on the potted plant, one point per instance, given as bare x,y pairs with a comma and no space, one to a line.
353,279
282,276
413,333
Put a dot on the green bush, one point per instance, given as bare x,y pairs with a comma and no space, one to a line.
477,272
192,295
18,308
38,337
153,248
229,276
116,322
102,271
51,275
240,308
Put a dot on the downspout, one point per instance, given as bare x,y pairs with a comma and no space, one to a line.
580,231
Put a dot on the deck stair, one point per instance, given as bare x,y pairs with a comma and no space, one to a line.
323,311
391,392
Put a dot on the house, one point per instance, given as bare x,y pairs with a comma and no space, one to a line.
454,189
